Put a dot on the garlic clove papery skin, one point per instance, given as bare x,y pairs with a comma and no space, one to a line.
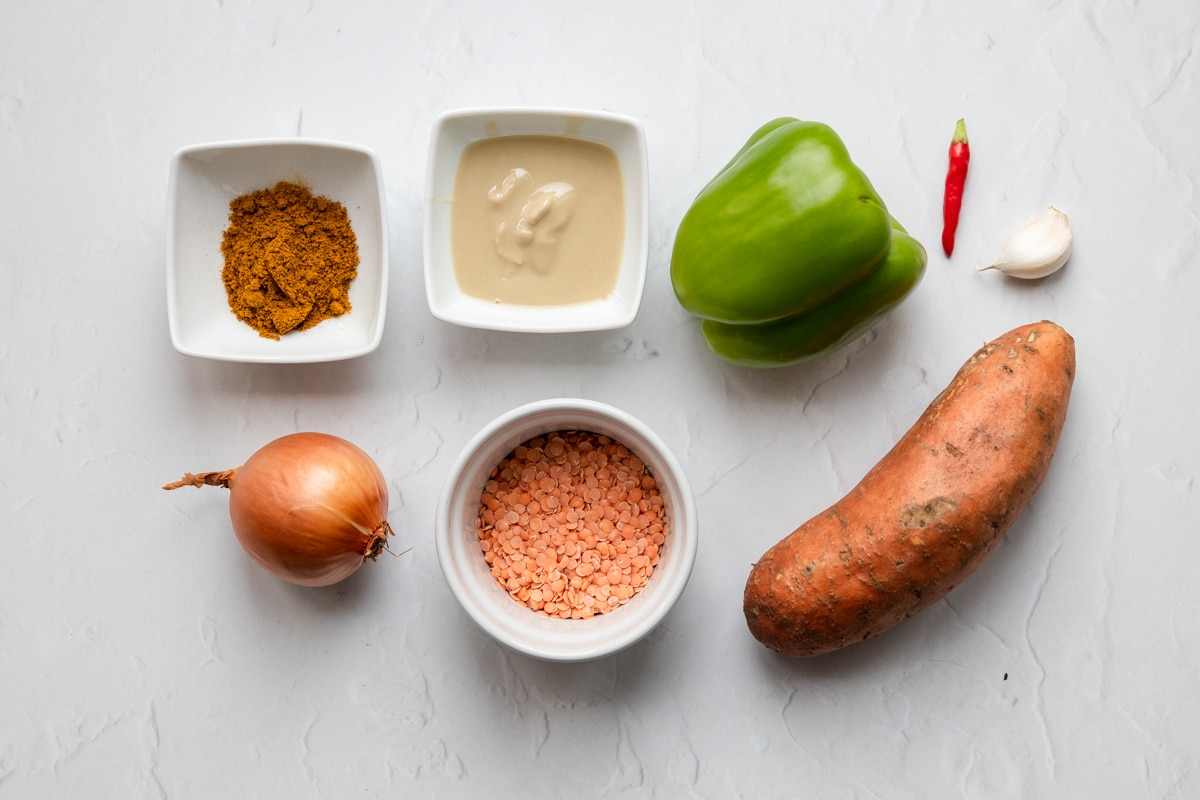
1036,249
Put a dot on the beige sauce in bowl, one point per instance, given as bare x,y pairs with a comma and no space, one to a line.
537,220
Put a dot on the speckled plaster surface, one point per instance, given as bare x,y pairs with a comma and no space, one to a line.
142,655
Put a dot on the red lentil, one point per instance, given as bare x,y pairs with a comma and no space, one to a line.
572,524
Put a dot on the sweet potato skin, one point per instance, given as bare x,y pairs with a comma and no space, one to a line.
930,512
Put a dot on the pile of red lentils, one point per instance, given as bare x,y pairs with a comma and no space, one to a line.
572,524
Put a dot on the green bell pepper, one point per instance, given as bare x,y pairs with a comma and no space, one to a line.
789,252
835,324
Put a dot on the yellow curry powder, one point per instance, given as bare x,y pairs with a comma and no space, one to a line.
289,259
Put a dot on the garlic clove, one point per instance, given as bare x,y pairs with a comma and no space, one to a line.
1036,249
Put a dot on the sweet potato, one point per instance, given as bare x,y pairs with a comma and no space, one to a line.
930,512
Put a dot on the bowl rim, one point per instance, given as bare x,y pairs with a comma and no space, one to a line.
682,552
591,316
378,190
273,141
467,112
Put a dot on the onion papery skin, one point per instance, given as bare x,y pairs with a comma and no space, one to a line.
310,508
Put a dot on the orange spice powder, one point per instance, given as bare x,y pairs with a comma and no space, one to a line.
572,524
290,256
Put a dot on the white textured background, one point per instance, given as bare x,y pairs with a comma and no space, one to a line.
142,655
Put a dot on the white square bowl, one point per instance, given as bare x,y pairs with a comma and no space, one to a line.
452,133
203,179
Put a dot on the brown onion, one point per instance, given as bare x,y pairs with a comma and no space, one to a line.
308,507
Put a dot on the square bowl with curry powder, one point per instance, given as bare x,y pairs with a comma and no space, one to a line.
536,219
277,251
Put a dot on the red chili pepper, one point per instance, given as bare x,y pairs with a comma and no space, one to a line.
956,178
